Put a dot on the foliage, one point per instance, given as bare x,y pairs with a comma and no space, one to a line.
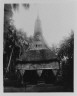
15,42
67,47
66,56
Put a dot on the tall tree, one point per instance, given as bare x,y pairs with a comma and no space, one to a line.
66,56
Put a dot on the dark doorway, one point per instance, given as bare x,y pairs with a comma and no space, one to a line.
30,77
48,76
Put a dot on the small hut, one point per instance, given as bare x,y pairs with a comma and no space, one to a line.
38,58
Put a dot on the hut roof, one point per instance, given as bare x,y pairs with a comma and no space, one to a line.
37,50
37,55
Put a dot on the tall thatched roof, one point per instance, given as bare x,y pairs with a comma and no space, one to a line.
38,50
37,55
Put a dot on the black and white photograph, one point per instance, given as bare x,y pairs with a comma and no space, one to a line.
38,47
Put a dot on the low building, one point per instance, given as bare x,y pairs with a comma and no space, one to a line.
38,57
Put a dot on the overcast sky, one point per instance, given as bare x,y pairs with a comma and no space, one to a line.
57,20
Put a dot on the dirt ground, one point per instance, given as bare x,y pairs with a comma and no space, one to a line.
38,88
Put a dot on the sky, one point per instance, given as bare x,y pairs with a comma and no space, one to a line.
57,20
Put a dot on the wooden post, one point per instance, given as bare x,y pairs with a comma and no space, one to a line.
7,69
22,71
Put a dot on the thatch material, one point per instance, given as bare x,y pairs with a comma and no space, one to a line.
37,55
